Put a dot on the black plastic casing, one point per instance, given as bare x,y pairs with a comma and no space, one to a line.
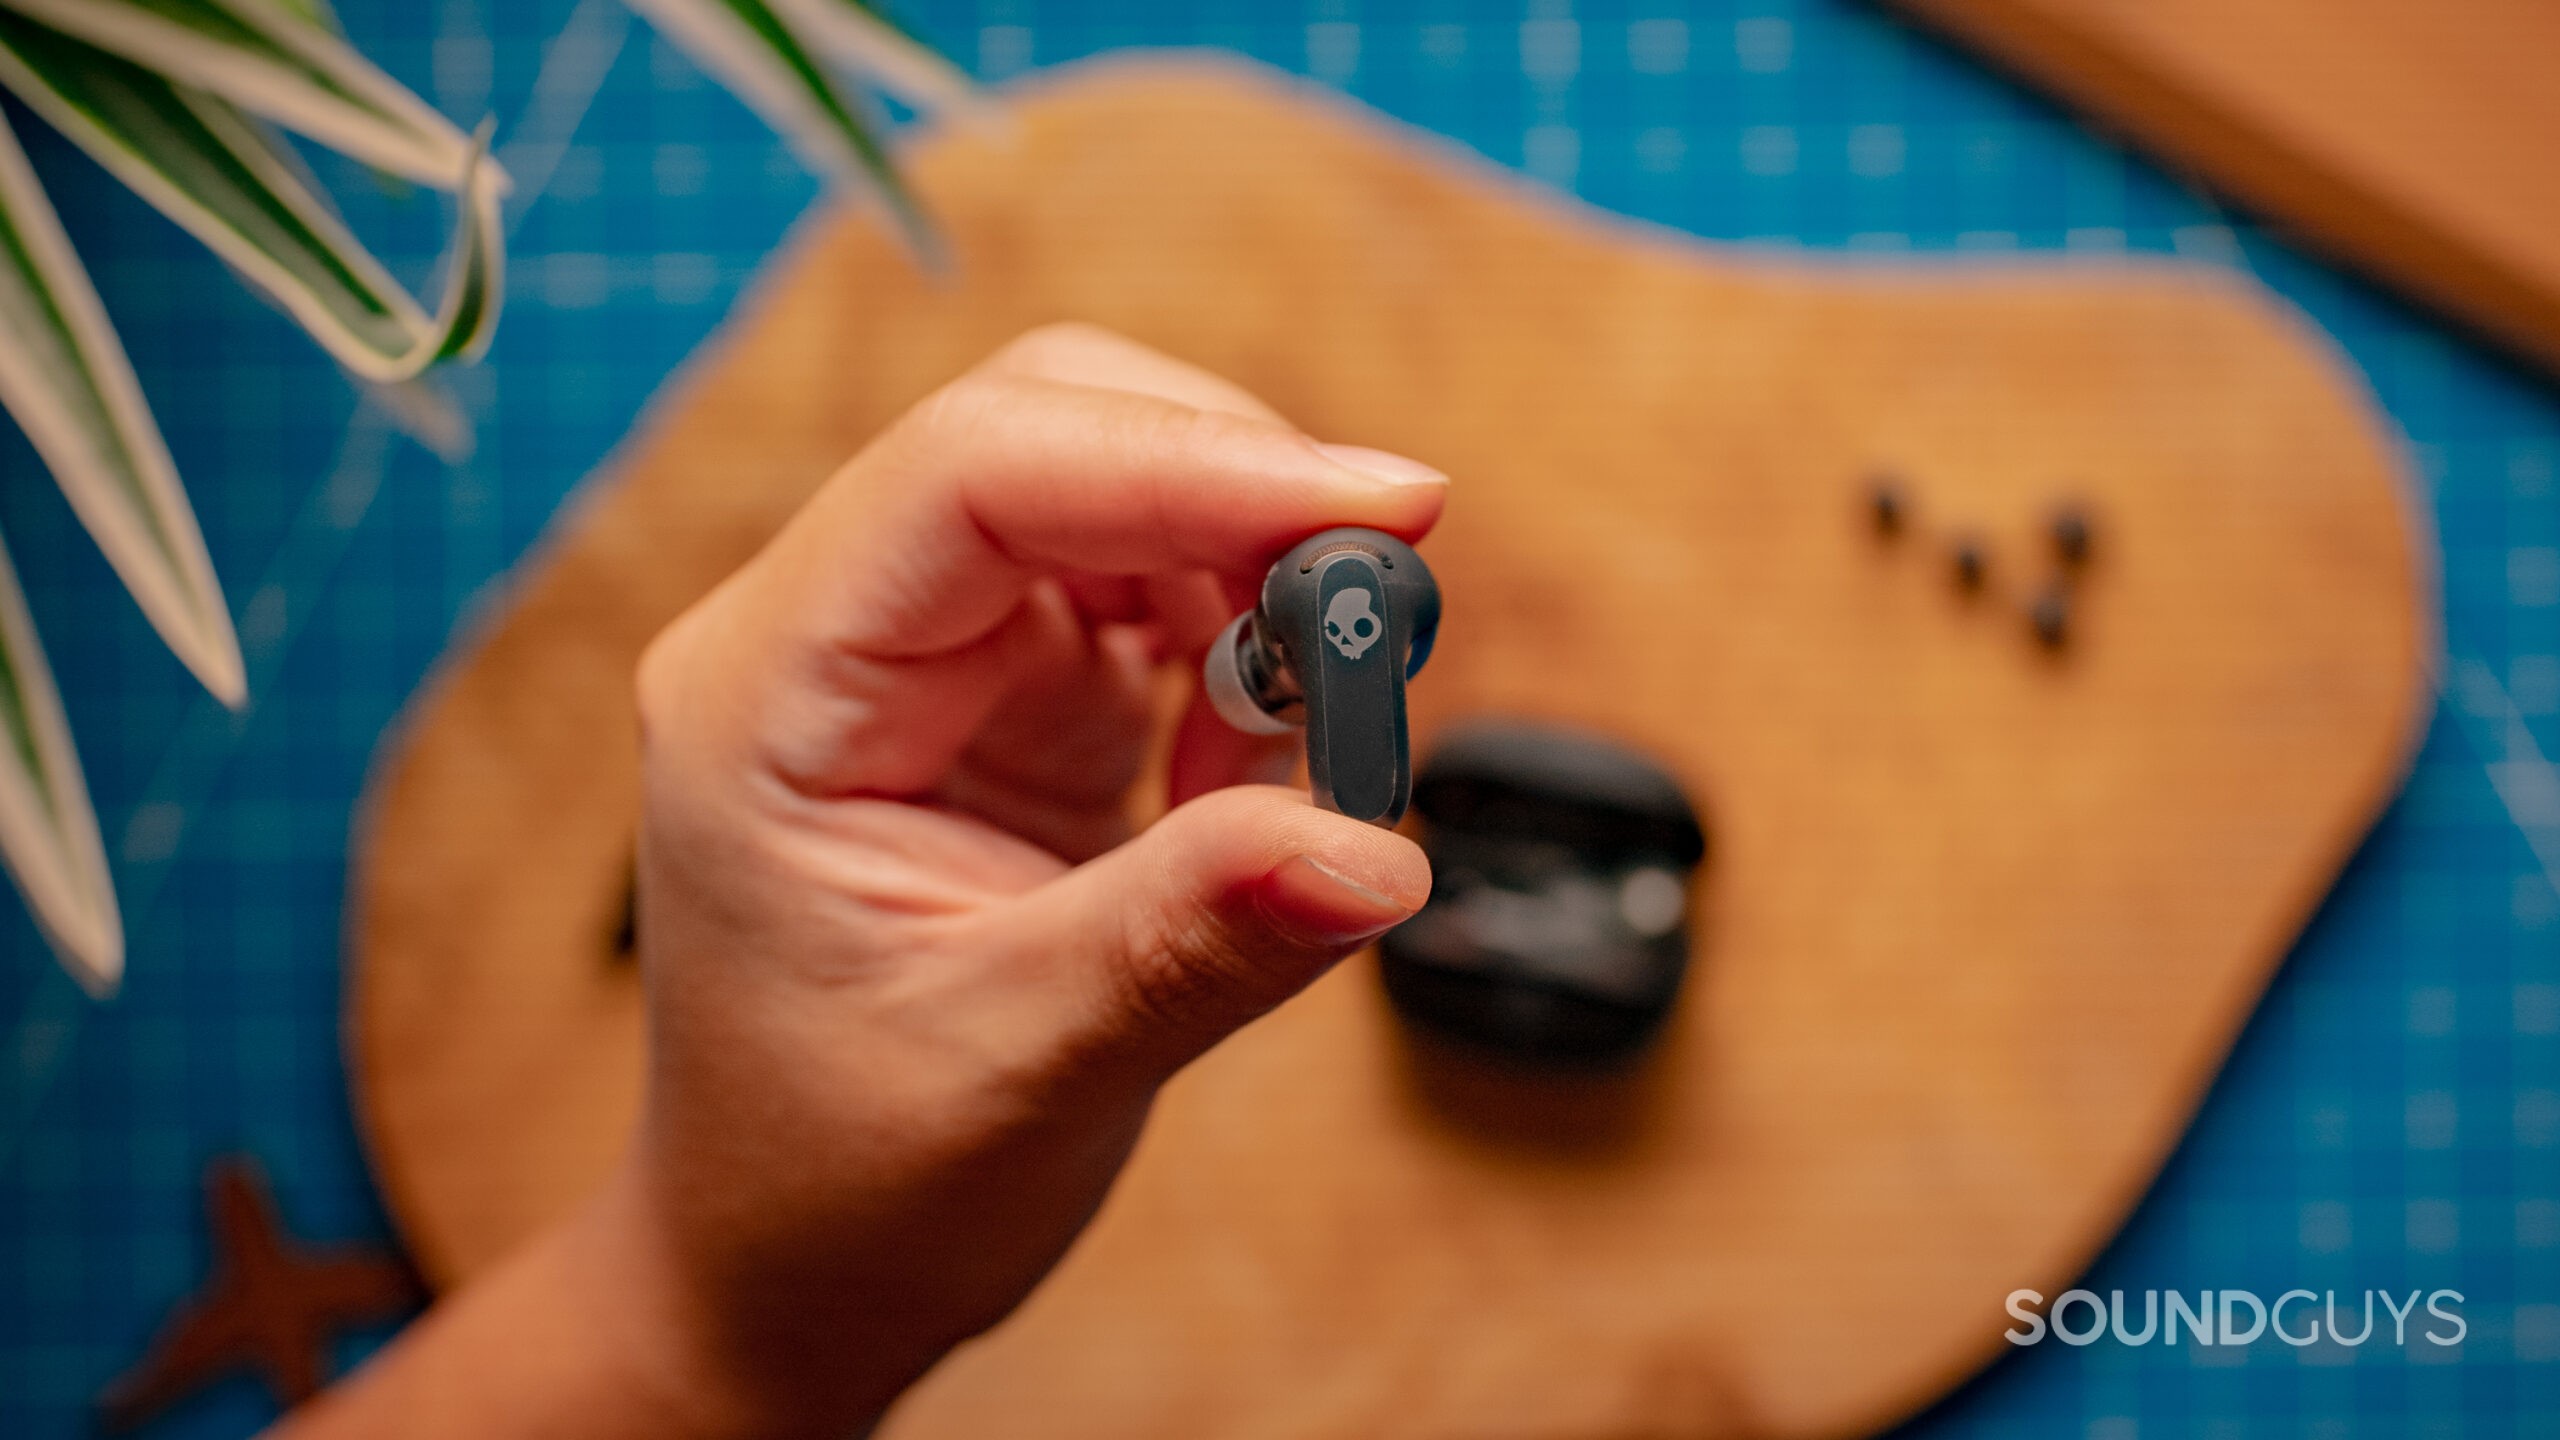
1354,612
1524,824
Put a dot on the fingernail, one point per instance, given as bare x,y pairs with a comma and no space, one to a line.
1323,910
1383,466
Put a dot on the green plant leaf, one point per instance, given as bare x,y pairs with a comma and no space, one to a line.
864,38
315,11
48,832
231,183
274,61
65,378
750,48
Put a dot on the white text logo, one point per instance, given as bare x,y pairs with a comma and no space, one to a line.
2234,1317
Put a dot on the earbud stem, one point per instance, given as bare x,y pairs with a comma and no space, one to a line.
1359,762
1346,618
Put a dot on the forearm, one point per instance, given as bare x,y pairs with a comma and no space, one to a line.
586,1331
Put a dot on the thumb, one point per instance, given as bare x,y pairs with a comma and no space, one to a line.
1227,906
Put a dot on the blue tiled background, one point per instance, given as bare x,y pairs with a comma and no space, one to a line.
2390,1119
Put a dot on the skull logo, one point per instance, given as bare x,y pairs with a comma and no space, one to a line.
1350,624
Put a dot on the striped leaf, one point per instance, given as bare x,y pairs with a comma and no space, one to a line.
65,378
857,35
48,833
232,184
272,60
174,98
748,46
315,11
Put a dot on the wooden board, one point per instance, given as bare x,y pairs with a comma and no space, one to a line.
2415,140
1980,922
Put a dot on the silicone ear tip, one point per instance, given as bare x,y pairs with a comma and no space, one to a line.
1222,679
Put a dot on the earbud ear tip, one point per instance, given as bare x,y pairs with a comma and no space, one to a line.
1222,680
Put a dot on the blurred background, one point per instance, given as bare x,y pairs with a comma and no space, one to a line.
2390,1118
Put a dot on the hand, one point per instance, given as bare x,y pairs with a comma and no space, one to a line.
912,982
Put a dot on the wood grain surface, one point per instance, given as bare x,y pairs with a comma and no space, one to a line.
1980,921
2415,140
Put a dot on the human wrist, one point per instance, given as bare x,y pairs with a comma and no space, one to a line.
732,1365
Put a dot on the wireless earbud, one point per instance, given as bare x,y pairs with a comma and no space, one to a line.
1346,618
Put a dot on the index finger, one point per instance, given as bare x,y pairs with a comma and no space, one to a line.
928,540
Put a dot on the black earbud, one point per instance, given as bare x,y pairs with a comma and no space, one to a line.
1346,618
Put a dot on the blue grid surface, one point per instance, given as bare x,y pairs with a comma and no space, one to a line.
2390,1119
